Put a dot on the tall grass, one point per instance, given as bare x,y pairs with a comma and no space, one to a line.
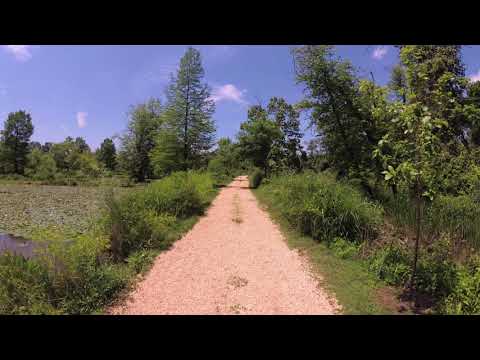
144,219
319,206
457,216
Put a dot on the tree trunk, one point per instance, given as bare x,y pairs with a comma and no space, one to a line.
15,157
394,189
367,188
187,108
418,233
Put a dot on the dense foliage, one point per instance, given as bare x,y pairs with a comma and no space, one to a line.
14,142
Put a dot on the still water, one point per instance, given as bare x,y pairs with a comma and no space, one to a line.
16,245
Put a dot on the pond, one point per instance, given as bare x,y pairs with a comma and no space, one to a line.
17,245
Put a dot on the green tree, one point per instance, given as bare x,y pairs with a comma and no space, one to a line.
62,154
15,137
47,146
345,112
190,109
81,145
257,137
472,111
412,158
435,75
40,165
227,161
167,153
107,153
398,83
316,158
139,139
35,145
287,118
5,166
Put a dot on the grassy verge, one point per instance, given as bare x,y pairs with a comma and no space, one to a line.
356,289
85,274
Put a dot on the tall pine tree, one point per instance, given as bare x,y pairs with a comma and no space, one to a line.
190,109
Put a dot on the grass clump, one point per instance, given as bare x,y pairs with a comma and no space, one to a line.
437,274
324,209
465,297
255,178
145,219
344,249
456,216
63,278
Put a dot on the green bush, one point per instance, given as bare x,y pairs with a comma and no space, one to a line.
342,248
465,298
139,261
391,264
40,166
23,287
436,273
144,219
319,206
255,178
63,277
218,171
181,194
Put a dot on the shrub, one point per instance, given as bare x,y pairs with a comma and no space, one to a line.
255,178
343,248
181,194
134,227
219,173
465,298
319,206
40,166
78,280
22,287
64,277
144,219
391,264
139,261
436,273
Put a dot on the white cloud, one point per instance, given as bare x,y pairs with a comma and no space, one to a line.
229,92
379,52
20,52
81,119
475,77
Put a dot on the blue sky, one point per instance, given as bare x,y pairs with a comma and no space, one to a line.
87,90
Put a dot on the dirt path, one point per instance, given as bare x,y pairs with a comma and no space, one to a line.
233,261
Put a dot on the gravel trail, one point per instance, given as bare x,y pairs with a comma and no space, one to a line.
233,261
